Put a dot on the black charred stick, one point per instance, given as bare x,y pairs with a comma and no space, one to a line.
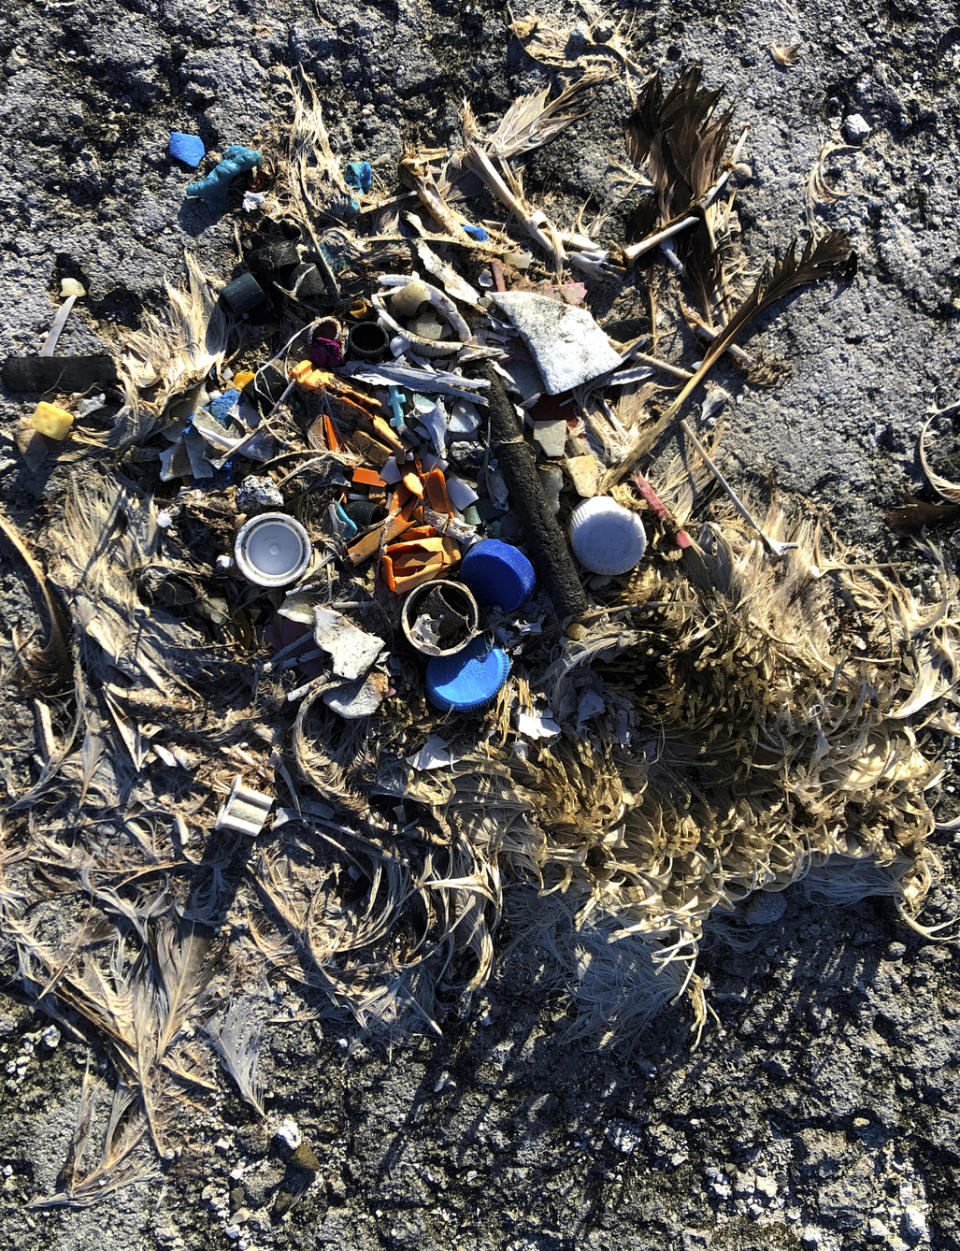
548,547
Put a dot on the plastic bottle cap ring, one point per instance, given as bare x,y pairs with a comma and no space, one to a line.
272,549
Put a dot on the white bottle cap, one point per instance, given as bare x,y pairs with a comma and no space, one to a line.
272,549
605,537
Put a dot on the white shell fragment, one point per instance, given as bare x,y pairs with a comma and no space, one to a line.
605,537
244,811
351,649
567,344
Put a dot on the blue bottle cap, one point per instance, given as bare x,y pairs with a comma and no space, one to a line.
498,573
467,680
186,148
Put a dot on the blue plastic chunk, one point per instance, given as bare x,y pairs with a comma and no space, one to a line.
215,187
476,232
186,148
498,573
467,680
359,176
220,408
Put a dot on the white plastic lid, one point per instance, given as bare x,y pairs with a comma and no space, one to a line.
272,549
606,538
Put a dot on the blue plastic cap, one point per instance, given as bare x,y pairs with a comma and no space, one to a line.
186,148
467,680
498,573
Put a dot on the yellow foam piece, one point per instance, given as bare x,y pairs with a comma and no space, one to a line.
54,422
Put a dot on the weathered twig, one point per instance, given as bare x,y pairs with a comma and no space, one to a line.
548,547
773,546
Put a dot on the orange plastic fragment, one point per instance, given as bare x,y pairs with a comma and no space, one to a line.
386,434
413,484
415,533
392,528
241,379
433,543
408,563
330,434
367,477
306,375
435,487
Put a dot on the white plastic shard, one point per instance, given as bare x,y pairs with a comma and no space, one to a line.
244,811
434,754
464,420
351,649
567,344
537,725
356,699
461,493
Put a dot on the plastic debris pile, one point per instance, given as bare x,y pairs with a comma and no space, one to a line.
359,564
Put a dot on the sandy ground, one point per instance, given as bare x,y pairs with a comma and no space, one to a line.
822,1111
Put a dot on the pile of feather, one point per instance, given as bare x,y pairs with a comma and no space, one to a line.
752,706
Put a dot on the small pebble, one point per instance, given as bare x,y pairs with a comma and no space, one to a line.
914,1224
258,495
856,128
289,1133
764,907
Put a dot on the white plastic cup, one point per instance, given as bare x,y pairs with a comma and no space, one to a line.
272,549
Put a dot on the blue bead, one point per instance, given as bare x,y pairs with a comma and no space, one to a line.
186,148
467,680
498,573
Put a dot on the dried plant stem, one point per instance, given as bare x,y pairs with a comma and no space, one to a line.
773,546
56,329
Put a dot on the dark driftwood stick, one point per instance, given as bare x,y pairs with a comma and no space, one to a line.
548,546
58,373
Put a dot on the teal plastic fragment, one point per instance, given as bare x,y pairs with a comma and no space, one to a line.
215,187
395,397
348,525
358,176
